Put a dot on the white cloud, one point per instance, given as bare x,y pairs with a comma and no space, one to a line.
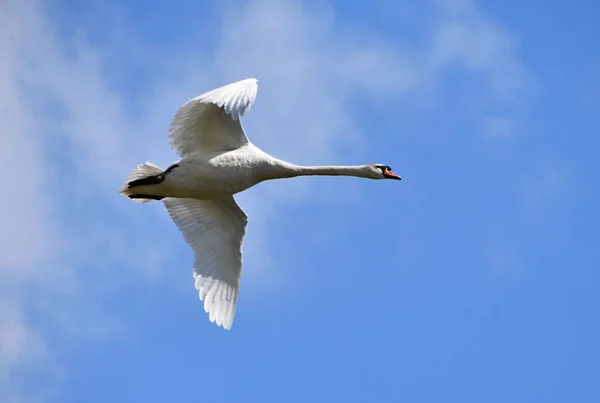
497,127
26,223
544,185
69,139
23,355
467,37
542,189
503,254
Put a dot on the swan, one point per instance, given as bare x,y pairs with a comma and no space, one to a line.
217,161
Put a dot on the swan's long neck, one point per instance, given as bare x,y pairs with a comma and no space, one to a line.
287,170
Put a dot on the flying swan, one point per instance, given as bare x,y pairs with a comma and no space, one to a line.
218,161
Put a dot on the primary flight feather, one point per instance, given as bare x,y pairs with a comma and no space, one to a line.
217,161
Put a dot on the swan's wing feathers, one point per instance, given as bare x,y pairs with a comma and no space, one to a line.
215,230
210,122
235,99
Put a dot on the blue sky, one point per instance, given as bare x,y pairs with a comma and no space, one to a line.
474,279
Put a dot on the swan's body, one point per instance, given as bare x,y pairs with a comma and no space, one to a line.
217,162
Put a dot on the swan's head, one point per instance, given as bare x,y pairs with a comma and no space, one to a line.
381,171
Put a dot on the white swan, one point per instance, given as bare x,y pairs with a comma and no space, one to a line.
218,161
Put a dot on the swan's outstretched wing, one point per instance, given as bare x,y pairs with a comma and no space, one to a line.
215,230
210,122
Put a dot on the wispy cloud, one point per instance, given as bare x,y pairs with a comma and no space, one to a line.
466,37
497,127
540,191
24,355
70,137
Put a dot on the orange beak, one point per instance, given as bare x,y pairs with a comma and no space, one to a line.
390,175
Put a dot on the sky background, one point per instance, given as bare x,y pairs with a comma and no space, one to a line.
473,280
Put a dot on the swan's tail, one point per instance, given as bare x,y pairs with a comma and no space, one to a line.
140,182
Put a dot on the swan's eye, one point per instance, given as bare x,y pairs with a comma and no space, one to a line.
384,168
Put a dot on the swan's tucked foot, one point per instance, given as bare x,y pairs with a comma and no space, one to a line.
150,180
139,185
145,197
